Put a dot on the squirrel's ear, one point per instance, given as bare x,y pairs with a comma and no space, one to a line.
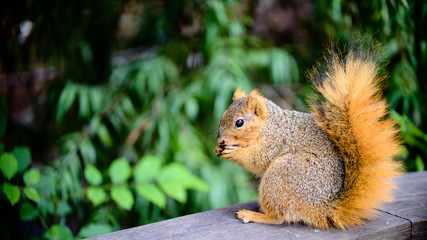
255,103
239,93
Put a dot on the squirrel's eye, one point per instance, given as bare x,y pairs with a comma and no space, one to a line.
239,123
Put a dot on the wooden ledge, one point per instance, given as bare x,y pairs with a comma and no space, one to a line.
405,218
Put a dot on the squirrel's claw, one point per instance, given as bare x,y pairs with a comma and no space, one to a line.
226,151
220,148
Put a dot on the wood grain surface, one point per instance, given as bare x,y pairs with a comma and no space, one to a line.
405,218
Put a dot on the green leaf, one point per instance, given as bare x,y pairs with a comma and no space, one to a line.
12,192
191,108
162,145
174,189
96,98
46,185
140,78
84,104
147,168
95,122
95,229
8,165
63,208
31,177
88,151
58,232
127,106
122,196
152,193
237,29
103,134
179,173
119,171
175,179
220,12
23,155
65,101
196,183
259,58
32,194
419,164
27,211
93,175
279,68
96,195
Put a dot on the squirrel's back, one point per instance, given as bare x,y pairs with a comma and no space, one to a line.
353,113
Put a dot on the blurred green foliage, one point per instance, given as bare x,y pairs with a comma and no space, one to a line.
124,134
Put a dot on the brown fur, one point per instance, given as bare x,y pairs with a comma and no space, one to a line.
328,168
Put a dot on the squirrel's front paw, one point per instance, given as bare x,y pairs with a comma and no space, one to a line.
228,151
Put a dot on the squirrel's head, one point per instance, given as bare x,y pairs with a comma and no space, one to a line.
242,122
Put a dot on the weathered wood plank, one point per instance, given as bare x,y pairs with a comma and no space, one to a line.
403,219
411,202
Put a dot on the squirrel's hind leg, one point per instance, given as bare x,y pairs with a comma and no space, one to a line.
257,217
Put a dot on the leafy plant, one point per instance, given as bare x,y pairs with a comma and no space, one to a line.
12,164
150,179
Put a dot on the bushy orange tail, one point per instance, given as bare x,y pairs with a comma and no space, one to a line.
352,111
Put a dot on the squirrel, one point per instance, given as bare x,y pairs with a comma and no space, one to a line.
331,167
